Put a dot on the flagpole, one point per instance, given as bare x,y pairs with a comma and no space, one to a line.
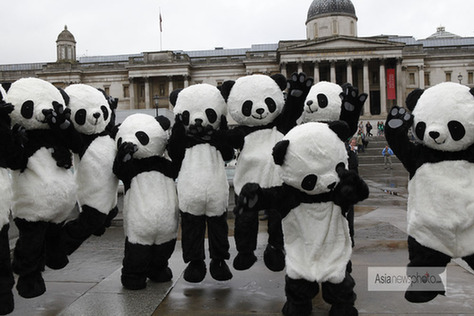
161,32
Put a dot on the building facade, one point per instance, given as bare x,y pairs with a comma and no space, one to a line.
386,67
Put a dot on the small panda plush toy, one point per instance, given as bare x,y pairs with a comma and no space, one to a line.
43,186
92,113
440,163
203,188
6,274
258,106
150,208
312,162
328,102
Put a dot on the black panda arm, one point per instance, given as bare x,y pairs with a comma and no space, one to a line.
396,133
298,88
352,103
124,167
350,189
253,198
177,142
14,147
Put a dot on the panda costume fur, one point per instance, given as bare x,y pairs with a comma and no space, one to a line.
203,190
92,113
263,116
440,163
43,186
312,161
150,209
6,274
329,102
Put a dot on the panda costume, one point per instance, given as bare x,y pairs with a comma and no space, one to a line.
316,187
440,163
43,186
6,274
203,189
263,116
329,102
92,114
150,208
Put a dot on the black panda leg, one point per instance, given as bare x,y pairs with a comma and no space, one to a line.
421,256
6,274
193,230
135,265
299,295
218,235
81,228
29,258
274,255
245,236
108,222
56,257
160,254
341,296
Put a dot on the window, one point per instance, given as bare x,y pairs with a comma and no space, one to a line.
470,77
315,30
352,28
107,90
411,78
427,79
162,89
448,76
335,30
126,91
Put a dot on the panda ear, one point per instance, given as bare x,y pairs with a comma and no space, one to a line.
413,97
174,96
225,88
65,96
472,91
280,80
164,122
279,151
6,86
341,129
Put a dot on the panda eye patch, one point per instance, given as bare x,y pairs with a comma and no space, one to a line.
105,111
322,100
185,117
420,130
142,138
211,115
247,108
309,182
271,104
80,117
27,109
457,130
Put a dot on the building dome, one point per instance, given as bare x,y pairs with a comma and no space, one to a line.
321,8
66,36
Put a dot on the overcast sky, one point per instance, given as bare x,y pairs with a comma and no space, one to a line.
115,27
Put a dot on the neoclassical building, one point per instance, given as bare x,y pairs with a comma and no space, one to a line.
386,67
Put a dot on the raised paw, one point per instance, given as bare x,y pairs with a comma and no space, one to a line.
351,99
399,118
299,85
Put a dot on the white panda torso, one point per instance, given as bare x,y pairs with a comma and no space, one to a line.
203,188
441,207
43,191
97,184
5,196
255,162
317,242
151,221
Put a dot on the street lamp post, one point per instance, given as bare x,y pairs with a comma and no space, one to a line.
460,78
156,100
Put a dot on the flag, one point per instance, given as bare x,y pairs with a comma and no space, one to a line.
161,22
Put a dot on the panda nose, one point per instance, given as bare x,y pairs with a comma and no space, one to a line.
434,135
309,103
198,121
260,111
96,115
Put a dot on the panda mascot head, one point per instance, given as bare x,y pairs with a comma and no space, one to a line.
33,99
255,100
149,135
295,156
443,116
323,103
201,107
91,110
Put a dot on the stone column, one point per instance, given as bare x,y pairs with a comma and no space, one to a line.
131,91
170,89
400,101
383,88
421,74
316,71
333,71
283,69
366,86
147,93
186,81
300,67
349,71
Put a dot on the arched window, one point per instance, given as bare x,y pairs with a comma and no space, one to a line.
335,27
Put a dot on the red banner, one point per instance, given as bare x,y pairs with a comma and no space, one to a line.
391,84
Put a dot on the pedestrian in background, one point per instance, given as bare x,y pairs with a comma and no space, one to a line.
387,154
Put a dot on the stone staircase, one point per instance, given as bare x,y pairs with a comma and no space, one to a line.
373,152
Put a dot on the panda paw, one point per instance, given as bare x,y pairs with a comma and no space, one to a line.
125,151
299,85
58,117
248,198
19,134
351,99
399,119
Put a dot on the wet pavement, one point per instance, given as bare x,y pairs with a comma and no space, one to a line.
90,284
